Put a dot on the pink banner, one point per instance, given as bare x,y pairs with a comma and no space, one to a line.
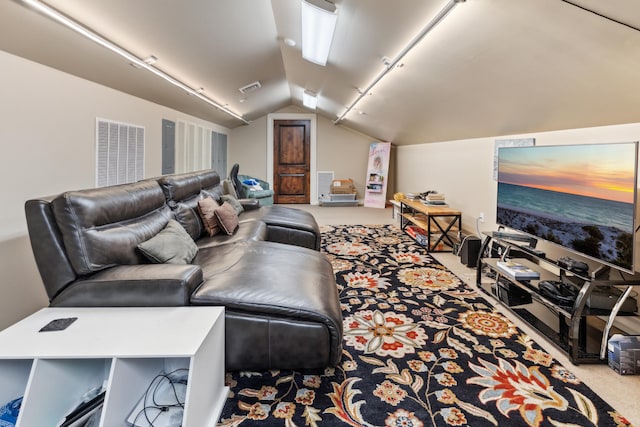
377,173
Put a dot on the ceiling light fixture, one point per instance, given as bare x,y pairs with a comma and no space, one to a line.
309,99
138,62
318,25
391,64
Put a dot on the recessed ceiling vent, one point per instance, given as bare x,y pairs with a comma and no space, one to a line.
250,87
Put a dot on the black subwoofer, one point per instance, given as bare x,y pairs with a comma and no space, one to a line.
469,251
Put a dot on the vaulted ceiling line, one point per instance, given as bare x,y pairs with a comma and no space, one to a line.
586,9
138,62
392,64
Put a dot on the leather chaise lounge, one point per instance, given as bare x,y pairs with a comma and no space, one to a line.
279,292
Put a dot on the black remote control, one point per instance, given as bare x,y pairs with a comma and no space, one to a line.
58,324
573,265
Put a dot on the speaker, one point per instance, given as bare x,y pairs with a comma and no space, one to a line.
469,251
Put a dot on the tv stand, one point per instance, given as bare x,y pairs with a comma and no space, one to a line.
578,329
600,272
515,237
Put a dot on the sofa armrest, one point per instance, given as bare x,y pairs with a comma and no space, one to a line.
263,184
147,285
249,204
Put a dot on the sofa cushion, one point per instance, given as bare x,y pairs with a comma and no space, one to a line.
229,188
172,245
51,257
181,186
249,230
227,218
287,225
143,285
209,178
183,191
187,215
215,193
101,227
235,204
207,207
304,300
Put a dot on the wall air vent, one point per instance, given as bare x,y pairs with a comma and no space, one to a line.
325,178
119,153
250,87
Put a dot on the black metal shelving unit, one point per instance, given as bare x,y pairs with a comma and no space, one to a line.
569,327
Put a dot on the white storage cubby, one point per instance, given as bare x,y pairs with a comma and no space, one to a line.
57,385
14,375
123,349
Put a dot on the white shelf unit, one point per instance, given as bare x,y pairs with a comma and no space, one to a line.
123,348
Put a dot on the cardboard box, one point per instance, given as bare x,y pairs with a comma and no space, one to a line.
624,354
342,186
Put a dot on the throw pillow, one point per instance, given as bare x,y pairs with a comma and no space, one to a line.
227,218
188,217
235,204
229,188
206,208
172,245
214,193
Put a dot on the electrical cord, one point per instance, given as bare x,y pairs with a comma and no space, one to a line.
478,233
151,395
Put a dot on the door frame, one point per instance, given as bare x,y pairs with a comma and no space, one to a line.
271,118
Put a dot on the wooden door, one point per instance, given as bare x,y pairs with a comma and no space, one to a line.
291,160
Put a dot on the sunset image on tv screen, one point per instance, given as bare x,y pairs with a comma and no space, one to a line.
579,196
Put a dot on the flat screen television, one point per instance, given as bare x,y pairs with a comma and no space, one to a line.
581,197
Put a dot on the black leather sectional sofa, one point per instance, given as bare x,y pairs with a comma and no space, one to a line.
278,290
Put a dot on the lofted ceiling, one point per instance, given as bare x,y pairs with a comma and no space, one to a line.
491,67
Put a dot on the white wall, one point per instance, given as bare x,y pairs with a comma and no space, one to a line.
249,148
338,149
463,170
47,140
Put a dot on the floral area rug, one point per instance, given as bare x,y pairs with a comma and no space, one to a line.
420,349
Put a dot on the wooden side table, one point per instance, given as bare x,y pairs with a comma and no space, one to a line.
441,224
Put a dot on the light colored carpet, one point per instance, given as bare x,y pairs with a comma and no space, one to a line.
345,215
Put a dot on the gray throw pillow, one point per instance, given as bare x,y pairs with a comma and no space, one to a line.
235,204
172,245
229,188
